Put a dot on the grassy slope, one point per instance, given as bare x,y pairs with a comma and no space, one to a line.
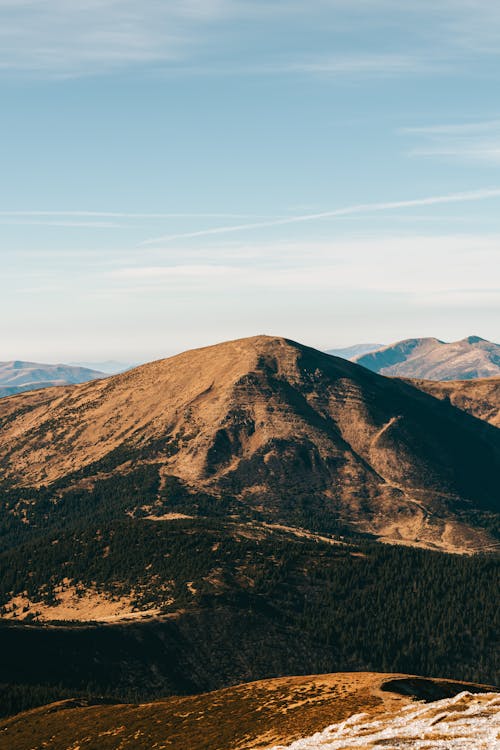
247,717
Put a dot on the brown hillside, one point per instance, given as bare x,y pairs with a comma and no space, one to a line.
267,420
253,716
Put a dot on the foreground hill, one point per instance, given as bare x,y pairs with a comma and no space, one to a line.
263,428
432,359
266,714
17,376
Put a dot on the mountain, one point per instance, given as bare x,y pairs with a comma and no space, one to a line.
432,359
350,352
268,429
17,376
269,713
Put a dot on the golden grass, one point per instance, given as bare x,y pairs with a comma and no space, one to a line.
247,717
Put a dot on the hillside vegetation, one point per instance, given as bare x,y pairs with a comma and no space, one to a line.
236,602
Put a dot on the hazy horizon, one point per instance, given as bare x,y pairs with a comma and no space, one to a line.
135,360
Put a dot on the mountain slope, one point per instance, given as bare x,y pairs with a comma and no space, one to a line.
289,433
431,359
481,398
17,376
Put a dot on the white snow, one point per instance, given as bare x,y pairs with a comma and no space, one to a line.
465,722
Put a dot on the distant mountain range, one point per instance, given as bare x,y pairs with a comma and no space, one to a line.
429,358
17,376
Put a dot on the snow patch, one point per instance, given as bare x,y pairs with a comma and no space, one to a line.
466,722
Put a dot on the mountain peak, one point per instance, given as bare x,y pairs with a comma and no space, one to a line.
290,433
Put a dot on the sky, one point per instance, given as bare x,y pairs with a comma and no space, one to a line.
180,173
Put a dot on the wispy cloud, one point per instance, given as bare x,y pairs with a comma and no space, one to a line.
466,141
61,223
82,36
474,25
106,219
360,64
394,264
353,66
62,39
361,208
461,128
129,214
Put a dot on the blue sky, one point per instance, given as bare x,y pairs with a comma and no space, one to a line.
180,173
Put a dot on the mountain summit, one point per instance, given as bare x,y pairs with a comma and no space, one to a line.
271,428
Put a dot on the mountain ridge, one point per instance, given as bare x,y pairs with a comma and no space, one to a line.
432,359
17,376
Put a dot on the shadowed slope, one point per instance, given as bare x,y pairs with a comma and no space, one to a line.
481,398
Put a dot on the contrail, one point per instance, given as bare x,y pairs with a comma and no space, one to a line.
360,208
